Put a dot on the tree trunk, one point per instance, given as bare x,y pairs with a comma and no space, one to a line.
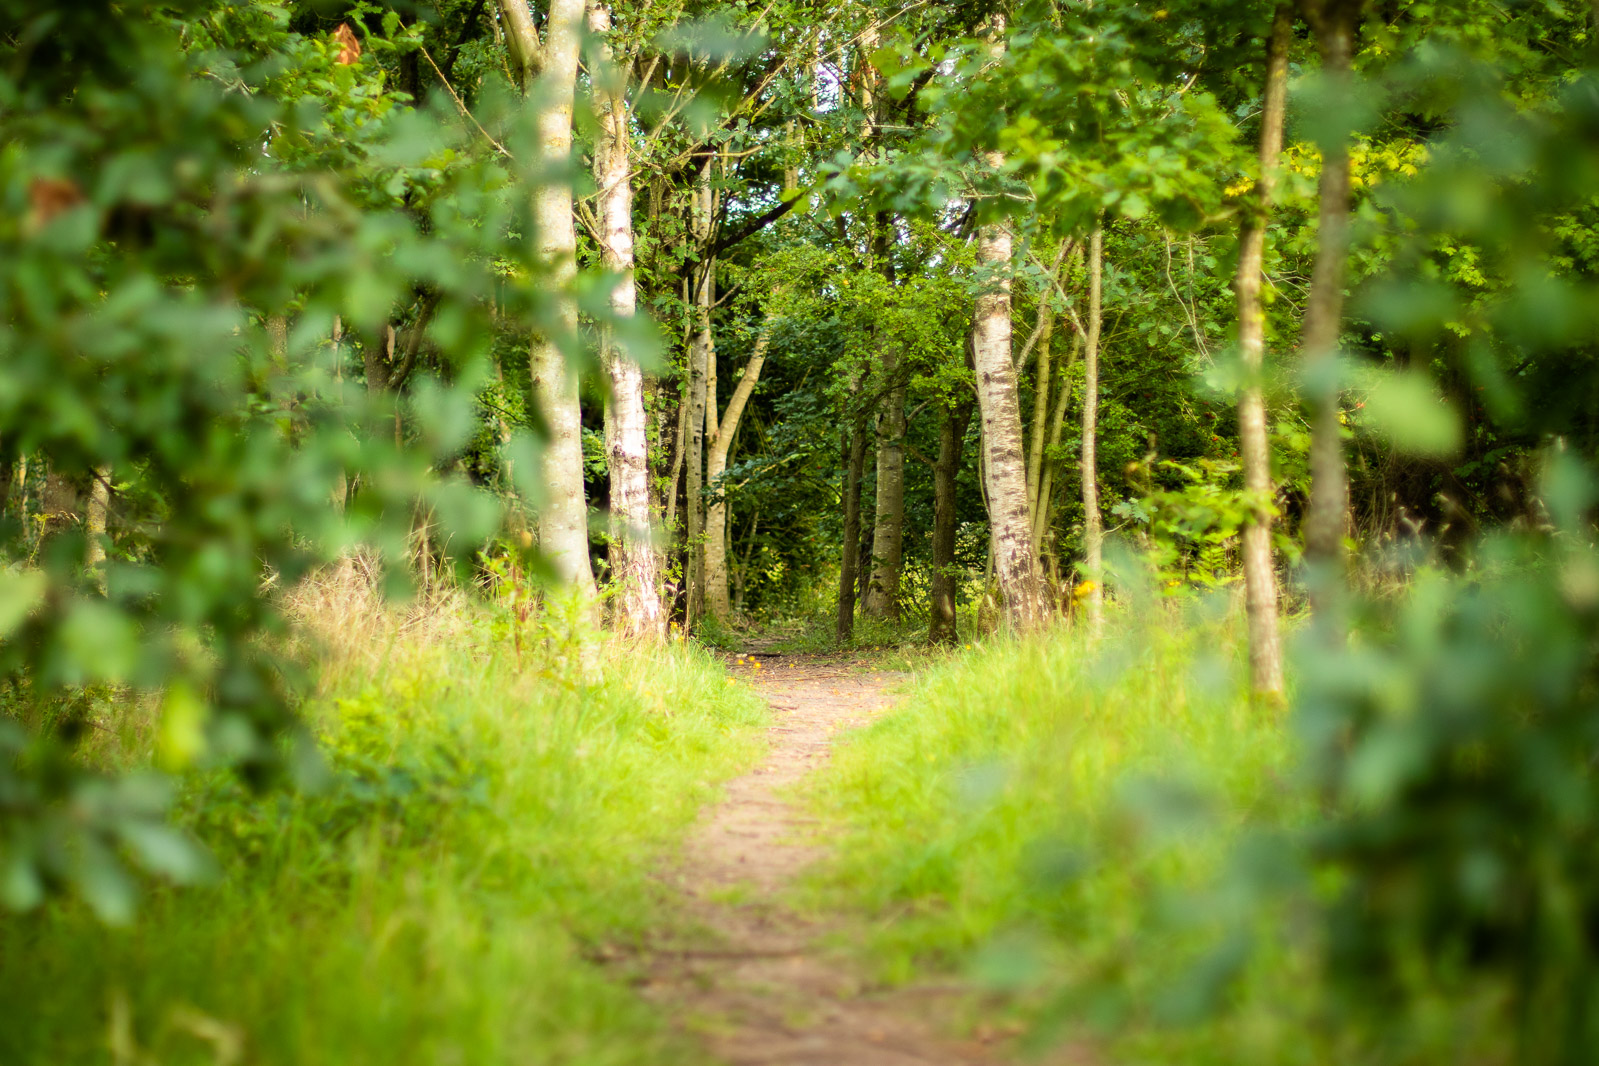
1333,21
676,473
1057,420
8,476
277,328
741,577
941,627
94,521
717,602
1004,465
701,357
1041,410
1093,525
854,469
1260,579
563,513
888,531
637,604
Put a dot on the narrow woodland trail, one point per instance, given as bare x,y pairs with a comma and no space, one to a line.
756,983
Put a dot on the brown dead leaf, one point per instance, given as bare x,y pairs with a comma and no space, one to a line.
349,47
49,197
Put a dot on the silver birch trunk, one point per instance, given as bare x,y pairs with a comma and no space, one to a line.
1041,397
1004,463
701,356
1010,523
1093,524
1260,577
636,606
94,522
563,513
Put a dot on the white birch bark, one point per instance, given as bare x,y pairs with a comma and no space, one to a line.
1260,578
701,358
1093,523
563,513
1004,463
636,607
94,521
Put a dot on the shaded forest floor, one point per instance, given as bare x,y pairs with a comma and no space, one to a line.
758,979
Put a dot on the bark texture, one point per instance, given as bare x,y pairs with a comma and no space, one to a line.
888,531
700,360
1093,524
717,602
1046,478
942,627
1260,578
1041,410
1004,465
636,607
1334,23
94,519
1003,460
854,454
563,513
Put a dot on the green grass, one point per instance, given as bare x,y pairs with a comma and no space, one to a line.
490,825
1051,816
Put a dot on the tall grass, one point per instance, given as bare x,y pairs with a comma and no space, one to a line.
487,825
1052,816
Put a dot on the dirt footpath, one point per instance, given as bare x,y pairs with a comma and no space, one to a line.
758,987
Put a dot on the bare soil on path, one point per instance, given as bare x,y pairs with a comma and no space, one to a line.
756,983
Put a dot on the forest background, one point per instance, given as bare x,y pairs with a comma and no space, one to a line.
1244,347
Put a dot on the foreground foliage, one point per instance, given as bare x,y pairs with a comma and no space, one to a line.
1397,868
485,825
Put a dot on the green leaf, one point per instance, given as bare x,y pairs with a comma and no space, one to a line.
1406,409
21,591
165,851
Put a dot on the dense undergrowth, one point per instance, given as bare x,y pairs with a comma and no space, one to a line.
486,819
1096,833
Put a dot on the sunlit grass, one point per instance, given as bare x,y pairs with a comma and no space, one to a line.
488,824
1049,817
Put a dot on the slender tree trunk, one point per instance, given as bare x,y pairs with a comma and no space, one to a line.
1093,524
1057,420
1004,464
717,601
942,627
679,446
1041,408
1334,22
887,549
741,578
881,599
701,359
854,470
563,513
94,521
888,530
637,604
22,499
339,495
277,327
1260,579
8,476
